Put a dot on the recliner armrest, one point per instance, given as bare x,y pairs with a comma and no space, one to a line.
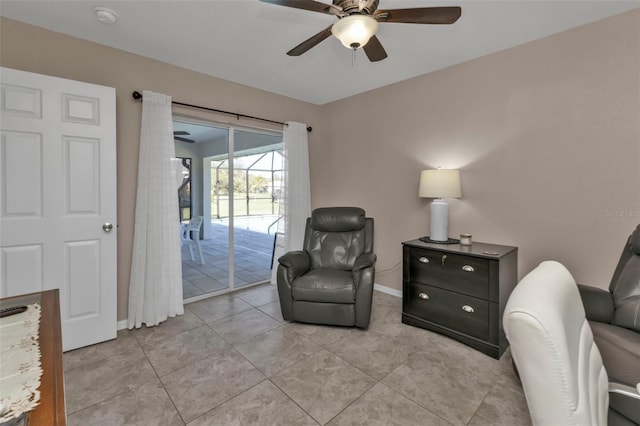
627,313
365,260
364,267
296,262
625,390
598,303
625,400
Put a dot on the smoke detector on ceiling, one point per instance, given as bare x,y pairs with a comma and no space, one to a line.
104,15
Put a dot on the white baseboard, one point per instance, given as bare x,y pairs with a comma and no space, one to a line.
122,324
388,290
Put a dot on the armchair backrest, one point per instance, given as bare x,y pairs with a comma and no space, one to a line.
336,236
195,223
625,285
552,345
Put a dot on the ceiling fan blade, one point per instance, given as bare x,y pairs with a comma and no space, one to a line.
420,15
314,6
374,50
181,133
178,138
310,42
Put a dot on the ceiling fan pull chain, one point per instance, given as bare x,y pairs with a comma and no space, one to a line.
353,57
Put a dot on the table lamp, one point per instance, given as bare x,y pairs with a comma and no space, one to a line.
439,184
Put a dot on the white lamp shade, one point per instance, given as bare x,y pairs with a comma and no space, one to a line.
440,183
354,31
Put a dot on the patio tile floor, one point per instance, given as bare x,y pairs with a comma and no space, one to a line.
252,261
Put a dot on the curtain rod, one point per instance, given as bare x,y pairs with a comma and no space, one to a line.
137,96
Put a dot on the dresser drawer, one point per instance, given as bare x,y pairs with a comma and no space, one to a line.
462,274
465,314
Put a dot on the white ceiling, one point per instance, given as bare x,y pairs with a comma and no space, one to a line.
245,40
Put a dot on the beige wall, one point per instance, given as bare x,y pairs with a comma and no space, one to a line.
37,50
546,135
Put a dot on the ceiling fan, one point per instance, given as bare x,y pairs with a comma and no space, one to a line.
358,22
177,135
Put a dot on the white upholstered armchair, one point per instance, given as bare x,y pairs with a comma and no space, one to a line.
564,380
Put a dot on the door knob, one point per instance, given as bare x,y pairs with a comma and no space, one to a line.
107,227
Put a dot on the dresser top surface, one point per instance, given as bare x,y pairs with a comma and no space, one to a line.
488,251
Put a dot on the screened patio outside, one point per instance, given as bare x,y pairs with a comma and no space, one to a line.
256,181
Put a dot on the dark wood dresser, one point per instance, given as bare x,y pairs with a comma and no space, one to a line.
459,291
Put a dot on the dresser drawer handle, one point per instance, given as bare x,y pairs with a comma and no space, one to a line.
468,309
423,296
423,260
468,268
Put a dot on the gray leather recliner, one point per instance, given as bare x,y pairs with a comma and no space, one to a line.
614,315
330,281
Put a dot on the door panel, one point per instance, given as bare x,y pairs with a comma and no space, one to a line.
19,280
82,173
58,189
22,174
21,101
82,261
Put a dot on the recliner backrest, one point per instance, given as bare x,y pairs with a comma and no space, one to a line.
336,236
625,285
552,345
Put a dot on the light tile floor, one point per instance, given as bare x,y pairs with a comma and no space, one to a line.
232,360
252,261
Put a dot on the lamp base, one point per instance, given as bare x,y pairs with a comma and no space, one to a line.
439,226
448,241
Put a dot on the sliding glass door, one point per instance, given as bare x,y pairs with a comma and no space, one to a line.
257,165
205,252
235,176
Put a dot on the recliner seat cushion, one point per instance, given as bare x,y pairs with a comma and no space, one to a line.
325,285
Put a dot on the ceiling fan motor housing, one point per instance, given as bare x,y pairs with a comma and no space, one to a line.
366,7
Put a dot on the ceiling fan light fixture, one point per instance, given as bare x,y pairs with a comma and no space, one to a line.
354,31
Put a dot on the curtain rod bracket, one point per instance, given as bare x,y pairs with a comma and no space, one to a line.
137,96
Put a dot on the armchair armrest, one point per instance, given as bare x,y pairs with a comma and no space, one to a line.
363,273
296,263
598,303
363,269
365,260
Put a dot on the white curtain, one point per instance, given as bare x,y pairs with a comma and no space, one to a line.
155,288
295,204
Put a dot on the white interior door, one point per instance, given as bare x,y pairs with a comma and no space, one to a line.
58,199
